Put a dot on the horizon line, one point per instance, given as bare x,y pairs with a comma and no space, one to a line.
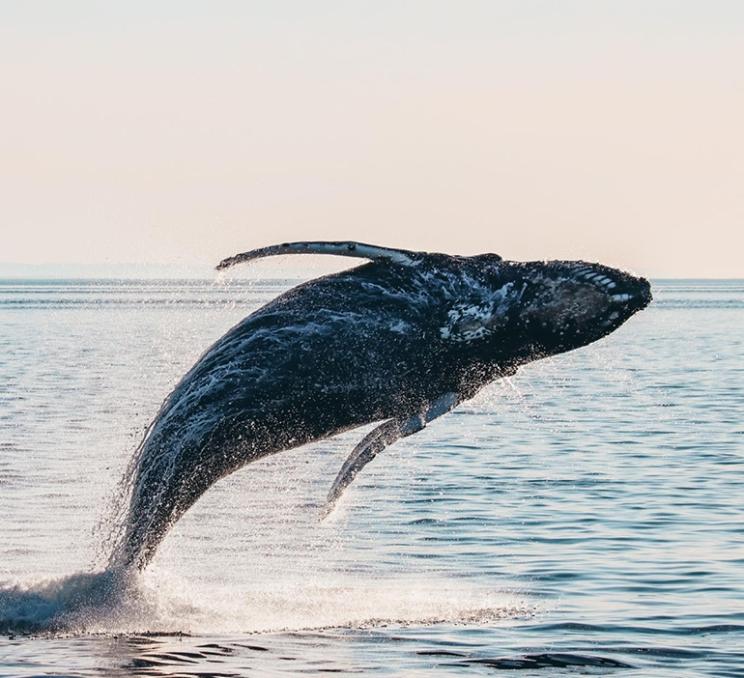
195,271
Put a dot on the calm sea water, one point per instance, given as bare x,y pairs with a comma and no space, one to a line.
585,517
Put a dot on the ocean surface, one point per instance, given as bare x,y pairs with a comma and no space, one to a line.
585,517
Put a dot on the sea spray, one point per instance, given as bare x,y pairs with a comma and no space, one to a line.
110,602
105,602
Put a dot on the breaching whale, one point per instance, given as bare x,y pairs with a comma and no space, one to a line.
399,340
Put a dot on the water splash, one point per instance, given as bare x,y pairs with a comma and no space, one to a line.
109,602
67,604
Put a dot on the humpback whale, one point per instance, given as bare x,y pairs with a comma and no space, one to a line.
399,340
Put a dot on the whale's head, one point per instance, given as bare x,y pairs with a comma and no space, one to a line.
567,304
542,308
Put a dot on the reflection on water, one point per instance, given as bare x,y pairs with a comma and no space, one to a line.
582,518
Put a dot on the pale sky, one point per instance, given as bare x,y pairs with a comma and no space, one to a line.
182,132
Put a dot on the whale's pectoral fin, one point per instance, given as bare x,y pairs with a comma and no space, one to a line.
370,446
343,249
380,438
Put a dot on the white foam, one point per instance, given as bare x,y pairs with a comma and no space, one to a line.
104,603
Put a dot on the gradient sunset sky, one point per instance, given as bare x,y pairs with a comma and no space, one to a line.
183,132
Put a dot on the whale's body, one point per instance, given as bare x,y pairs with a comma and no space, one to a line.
399,340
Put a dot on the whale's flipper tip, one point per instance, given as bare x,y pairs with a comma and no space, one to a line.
326,510
227,263
331,501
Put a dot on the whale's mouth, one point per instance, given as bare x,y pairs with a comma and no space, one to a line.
624,293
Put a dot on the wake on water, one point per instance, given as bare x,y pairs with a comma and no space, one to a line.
109,602
68,604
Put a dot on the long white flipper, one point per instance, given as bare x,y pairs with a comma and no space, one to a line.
380,438
343,249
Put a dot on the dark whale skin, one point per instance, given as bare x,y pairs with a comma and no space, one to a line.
377,342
